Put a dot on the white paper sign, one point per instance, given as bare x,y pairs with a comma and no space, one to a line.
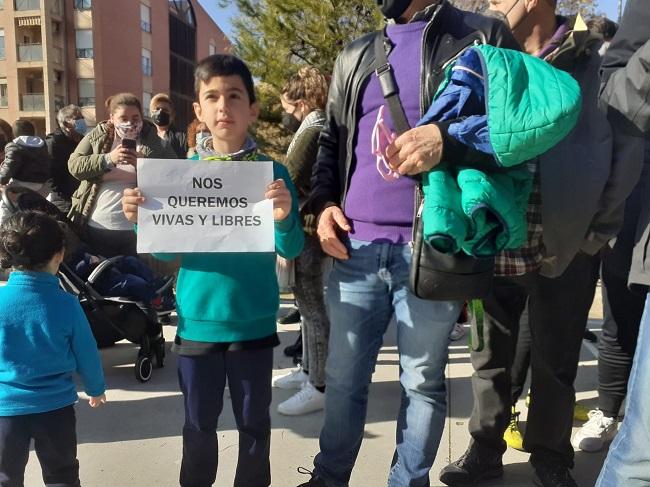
205,206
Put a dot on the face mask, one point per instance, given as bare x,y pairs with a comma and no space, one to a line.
80,126
201,136
393,9
161,118
503,17
128,130
290,122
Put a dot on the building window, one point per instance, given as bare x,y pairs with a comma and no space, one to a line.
145,17
84,43
146,62
2,43
86,92
4,100
213,49
146,102
83,4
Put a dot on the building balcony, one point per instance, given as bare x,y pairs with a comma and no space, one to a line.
32,102
86,53
24,5
30,52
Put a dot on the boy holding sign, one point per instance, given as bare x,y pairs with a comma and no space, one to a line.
227,302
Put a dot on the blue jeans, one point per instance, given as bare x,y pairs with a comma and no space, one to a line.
628,461
363,294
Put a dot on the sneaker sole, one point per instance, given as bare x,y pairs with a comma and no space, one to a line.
454,479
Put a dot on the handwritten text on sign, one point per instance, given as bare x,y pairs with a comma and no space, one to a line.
205,206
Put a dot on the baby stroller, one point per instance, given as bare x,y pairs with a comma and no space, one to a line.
111,318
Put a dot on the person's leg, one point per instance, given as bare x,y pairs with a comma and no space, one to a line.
492,355
628,461
14,449
55,443
310,298
521,361
202,380
622,316
249,381
423,329
360,308
558,313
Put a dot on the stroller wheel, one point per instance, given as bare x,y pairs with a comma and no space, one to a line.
160,355
143,368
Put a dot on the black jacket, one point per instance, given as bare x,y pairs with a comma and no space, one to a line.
626,97
27,160
60,147
448,32
178,141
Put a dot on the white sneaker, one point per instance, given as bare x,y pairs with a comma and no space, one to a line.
307,400
293,380
457,332
595,433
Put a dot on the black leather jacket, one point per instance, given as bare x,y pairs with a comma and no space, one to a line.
448,32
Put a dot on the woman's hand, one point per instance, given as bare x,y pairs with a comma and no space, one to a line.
97,401
281,196
131,199
122,155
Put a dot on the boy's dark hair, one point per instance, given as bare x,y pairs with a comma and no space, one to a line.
29,240
23,127
223,65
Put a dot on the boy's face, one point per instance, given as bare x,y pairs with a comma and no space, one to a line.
225,108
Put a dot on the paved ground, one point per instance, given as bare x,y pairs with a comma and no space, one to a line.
135,440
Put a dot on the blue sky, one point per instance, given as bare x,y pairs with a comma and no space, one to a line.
222,16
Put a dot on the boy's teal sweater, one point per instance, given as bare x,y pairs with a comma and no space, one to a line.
233,297
44,338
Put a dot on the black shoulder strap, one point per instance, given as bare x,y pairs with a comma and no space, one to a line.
384,72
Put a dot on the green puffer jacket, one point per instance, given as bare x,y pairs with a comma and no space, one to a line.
86,164
529,107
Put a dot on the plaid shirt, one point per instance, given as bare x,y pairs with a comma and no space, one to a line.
529,257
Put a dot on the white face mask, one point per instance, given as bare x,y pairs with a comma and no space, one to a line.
128,130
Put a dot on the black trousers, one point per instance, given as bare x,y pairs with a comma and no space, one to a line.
55,443
558,312
110,243
203,379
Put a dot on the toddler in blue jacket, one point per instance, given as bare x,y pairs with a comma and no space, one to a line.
44,339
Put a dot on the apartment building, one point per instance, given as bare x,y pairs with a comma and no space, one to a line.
56,52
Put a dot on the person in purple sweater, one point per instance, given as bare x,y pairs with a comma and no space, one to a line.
365,223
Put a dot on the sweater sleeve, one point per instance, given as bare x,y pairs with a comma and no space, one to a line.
300,160
289,236
84,348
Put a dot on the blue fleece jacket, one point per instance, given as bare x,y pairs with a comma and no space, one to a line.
44,338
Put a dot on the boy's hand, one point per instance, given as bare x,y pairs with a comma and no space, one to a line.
98,401
281,196
130,201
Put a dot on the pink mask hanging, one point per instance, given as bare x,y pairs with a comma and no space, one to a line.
381,139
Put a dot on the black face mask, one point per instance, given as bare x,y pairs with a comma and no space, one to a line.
161,118
393,9
290,122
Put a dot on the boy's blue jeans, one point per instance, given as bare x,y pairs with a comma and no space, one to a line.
363,294
628,460
203,379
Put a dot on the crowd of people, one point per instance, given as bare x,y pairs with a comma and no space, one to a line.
363,146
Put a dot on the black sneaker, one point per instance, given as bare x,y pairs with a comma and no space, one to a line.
553,476
472,466
291,317
295,349
314,481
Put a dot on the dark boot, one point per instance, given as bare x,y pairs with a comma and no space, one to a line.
474,465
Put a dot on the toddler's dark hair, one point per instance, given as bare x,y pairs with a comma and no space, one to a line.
224,65
29,240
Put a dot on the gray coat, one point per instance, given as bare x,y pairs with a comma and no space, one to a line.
584,184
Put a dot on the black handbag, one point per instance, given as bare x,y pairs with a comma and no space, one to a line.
434,275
